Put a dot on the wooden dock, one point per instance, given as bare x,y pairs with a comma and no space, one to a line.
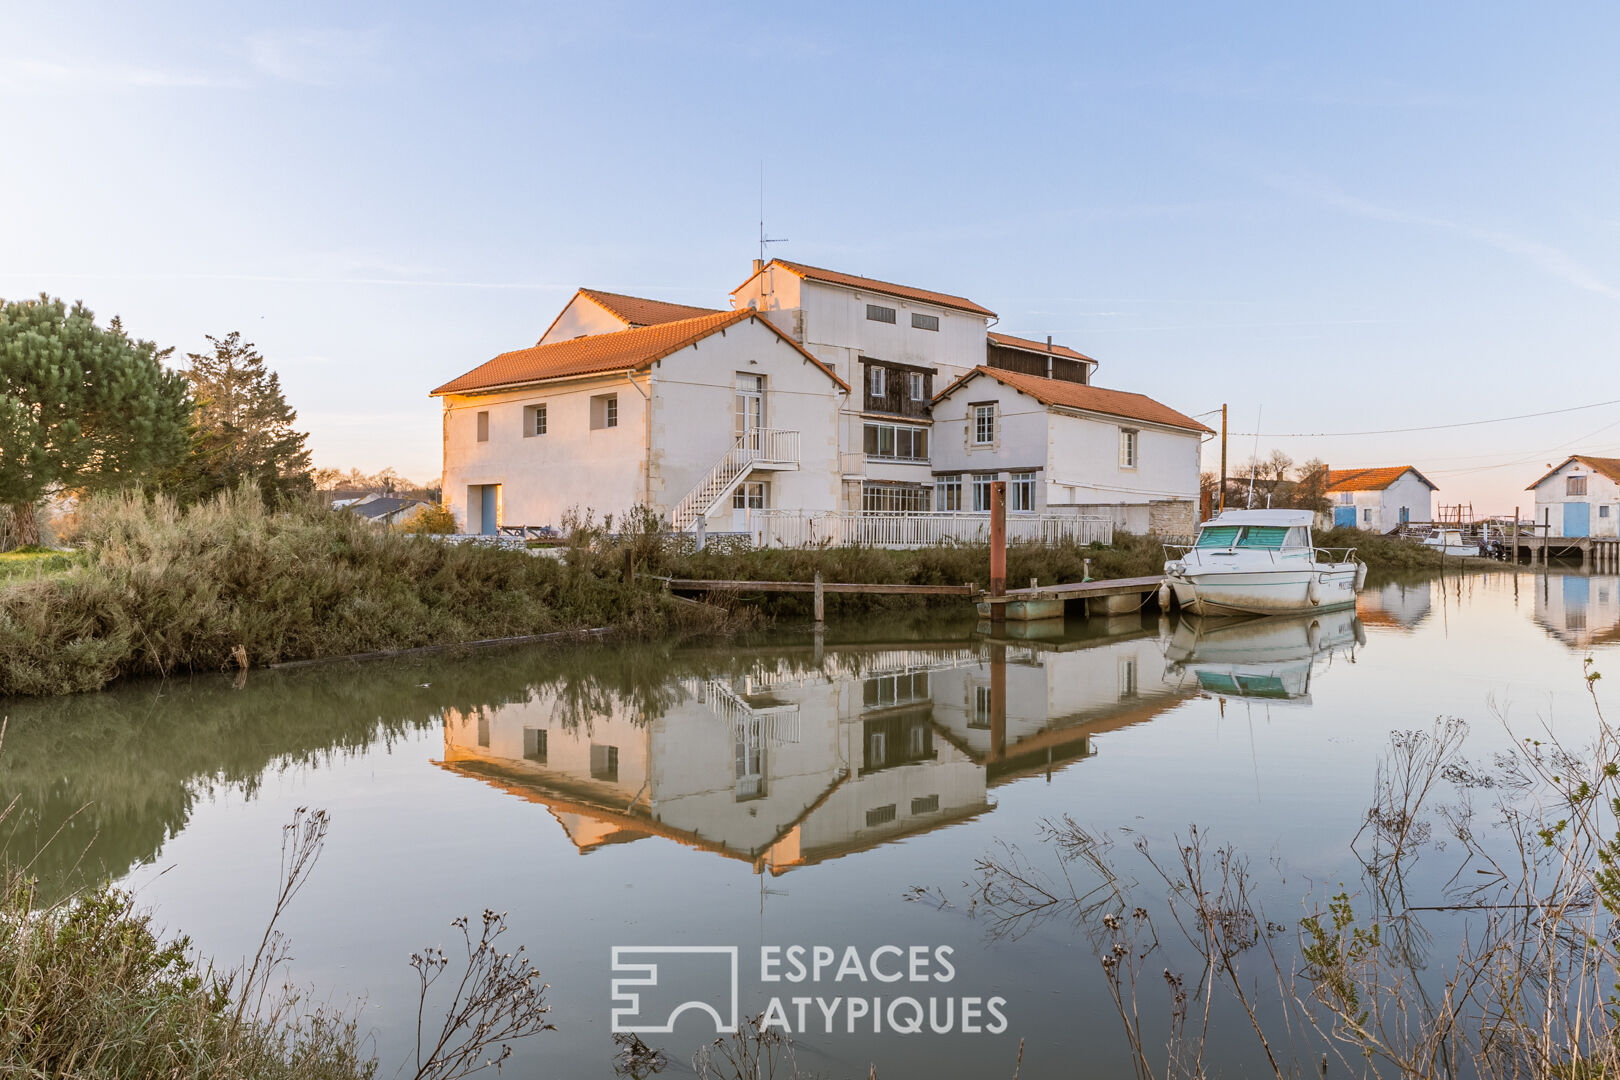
695,585
1595,552
1111,596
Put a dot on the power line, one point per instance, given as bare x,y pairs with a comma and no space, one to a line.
1426,427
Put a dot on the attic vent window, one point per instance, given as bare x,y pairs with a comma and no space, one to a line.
879,313
924,322
1574,485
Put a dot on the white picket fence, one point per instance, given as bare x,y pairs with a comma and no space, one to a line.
794,528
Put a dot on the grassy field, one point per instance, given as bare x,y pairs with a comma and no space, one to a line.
35,562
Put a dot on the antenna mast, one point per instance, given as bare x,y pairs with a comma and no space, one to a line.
763,239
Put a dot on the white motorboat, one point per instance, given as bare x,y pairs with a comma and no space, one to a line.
1449,541
1259,658
1259,562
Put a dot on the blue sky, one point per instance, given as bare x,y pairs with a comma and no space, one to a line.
1380,216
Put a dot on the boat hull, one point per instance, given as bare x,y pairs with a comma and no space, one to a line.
1264,592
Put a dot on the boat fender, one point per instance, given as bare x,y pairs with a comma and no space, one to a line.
1360,631
1313,635
1164,596
1314,592
1361,574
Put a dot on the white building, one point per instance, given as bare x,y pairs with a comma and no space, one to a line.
679,416
1581,497
1379,500
1065,445
816,395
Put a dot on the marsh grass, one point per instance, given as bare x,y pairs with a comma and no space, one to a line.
228,584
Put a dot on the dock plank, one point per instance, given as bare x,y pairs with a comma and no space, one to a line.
1077,590
695,585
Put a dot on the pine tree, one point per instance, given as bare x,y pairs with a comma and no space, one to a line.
82,407
244,426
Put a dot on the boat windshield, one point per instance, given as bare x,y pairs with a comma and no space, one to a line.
1264,537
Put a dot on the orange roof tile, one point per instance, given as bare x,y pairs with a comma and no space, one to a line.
1371,479
853,281
638,311
1072,395
623,350
1026,344
1607,466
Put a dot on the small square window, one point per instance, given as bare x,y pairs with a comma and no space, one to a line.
534,420
483,427
879,313
924,322
881,815
534,745
604,762
1575,485
605,411
1603,511
916,385
926,804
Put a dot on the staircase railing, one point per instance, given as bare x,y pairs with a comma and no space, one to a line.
752,449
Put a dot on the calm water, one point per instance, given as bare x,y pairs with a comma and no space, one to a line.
779,792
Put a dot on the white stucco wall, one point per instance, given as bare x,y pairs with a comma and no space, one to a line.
1380,510
582,316
1601,493
607,470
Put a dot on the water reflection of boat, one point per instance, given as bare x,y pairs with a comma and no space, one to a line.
1268,658
815,756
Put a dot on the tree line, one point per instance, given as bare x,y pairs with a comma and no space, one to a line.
1275,481
87,408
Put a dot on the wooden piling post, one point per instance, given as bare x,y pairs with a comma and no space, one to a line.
821,610
1514,546
998,549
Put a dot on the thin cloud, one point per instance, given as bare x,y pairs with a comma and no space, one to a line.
47,74
315,57
1549,259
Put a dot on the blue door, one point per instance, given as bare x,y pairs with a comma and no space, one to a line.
1577,519
1406,515
489,502
1344,517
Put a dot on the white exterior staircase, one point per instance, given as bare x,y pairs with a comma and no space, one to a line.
757,448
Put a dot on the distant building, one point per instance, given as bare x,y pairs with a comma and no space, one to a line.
382,509
1581,497
1380,500
1065,445
592,311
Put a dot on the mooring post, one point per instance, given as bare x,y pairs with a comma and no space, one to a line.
998,702
821,611
1514,545
998,549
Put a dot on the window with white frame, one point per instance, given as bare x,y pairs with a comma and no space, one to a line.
982,482
896,442
1366,514
1021,491
891,498
948,493
1127,448
605,411
983,703
754,495
1346,499
1603,511
916,385
984,424
534,420
875,377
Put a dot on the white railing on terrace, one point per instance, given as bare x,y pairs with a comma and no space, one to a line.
795,528
777,723
755,448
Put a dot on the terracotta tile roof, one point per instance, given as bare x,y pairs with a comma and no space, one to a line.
1008,341
1072,395
638,311
623,350
853,281
1607,466
1371,479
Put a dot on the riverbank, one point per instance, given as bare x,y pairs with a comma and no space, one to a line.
228,585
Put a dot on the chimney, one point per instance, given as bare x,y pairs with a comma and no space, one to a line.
759,264
1048,342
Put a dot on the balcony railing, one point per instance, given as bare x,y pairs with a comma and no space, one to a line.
792,528
756,448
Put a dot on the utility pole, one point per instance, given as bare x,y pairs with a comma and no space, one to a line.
1223,459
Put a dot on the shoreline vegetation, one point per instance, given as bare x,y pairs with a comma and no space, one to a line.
228,584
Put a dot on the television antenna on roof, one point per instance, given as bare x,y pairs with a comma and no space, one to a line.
763,239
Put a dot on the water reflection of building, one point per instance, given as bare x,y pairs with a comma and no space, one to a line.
1579,610
1398,605
800,762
